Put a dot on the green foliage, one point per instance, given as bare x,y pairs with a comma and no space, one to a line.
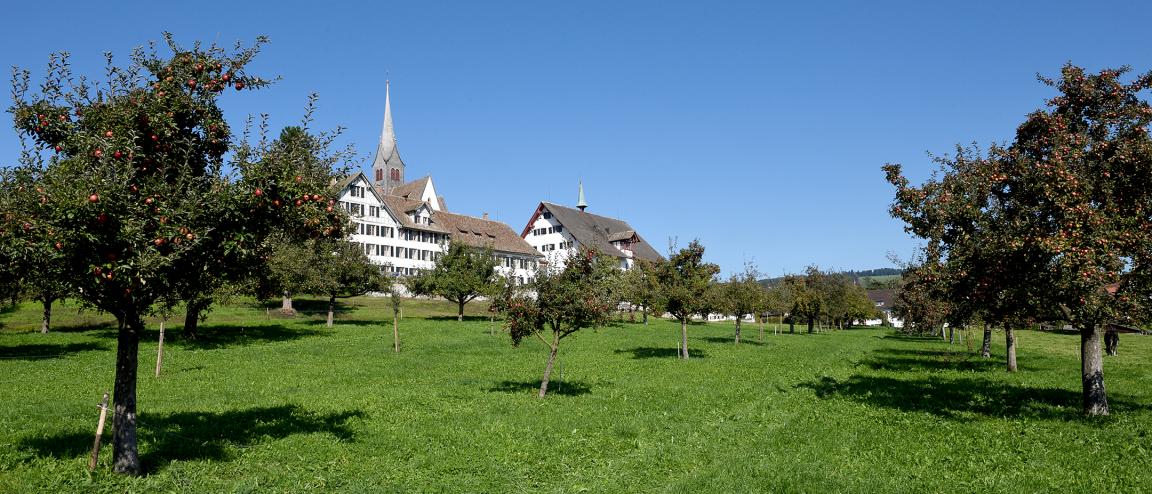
742,294
640,286
582,295
262,404
684,281
461,274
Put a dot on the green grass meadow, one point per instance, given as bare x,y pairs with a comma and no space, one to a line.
266,404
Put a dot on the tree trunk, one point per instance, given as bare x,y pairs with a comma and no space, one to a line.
160,350
1010,340
737,330
396,332
684,338
286,305
192,320
645,313
951,335
125,458
761,337
1092,371
47,321
811,324
986,349
460,312
792,326
548,368
1111,341
331,310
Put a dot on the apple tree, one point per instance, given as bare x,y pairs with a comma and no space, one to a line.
131,179
582,295
684,282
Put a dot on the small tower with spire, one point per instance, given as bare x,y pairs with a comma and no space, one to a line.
387,167
581,203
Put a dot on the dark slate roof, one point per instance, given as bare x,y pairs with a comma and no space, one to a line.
593,230
479,232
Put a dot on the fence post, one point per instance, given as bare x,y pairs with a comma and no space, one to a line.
160,350
99,432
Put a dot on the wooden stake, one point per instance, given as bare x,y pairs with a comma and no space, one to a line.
160,349
99,432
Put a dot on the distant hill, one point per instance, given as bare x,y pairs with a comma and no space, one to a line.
879,275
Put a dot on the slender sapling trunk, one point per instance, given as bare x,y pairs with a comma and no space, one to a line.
555,347
331,310
47,321
684,338
737,330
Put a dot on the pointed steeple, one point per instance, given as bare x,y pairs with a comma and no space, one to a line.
387,167
581,203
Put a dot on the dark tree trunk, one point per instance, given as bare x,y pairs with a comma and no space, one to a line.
737,330
951,335
1010,340
192,321
460,311
811,324
1092,371
125,458
684,338
645,313
986,348
331,310
791,326
47,321
548,368
1111,341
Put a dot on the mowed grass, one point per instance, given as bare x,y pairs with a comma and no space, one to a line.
262,404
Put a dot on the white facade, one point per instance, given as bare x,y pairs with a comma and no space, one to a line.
383,237
548,237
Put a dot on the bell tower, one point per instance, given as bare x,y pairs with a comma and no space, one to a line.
387,167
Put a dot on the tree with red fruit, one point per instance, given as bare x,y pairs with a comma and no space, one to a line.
152,149
582,295
1058,221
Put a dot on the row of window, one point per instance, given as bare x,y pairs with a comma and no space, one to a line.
357,191
552,247
419,236
400,252
375,230
515,262
359,209
551,229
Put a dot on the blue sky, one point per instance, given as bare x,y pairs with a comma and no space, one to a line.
757,127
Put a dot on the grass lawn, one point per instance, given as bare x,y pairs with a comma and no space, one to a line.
262,404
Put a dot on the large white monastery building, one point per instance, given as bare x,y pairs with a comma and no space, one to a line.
559,231
405,226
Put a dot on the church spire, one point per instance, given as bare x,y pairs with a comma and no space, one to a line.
387,167
581,203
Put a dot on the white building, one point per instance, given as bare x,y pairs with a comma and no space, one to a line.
406,226
559,231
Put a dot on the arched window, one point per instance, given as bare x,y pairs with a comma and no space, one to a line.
379,174
395,174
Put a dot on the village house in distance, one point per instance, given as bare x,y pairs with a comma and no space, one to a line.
406,226
559,231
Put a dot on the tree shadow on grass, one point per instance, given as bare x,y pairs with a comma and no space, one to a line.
731,340
909,337
909,360
660,352
351,322
190,436
954,398
453,318
226,336
563,388
42,351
